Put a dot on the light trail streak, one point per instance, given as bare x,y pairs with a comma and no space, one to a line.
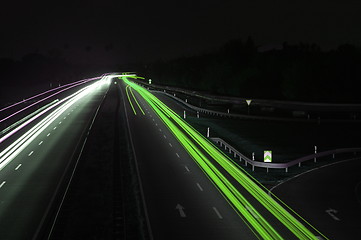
9,153
51,90
130,102
239,203
136,101
39,101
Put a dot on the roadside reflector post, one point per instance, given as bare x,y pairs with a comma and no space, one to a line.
184,114
173,94
228,110
208,134
253,156
333,156
299,164
248,101
315,159
197,114
186,100
150,81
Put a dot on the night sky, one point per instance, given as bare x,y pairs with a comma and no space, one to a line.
123,31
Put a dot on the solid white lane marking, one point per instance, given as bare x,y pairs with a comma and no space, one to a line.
177,155
2,184
170,145
48,135
187,168
54,128
40,143
18,167
30,153
199,186
218,214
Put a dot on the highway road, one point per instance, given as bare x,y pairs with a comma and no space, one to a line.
35,173
190,189
181,202
329,197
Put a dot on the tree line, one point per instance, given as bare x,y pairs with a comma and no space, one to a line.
300,72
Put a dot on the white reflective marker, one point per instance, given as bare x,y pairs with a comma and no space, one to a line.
18,167
2,184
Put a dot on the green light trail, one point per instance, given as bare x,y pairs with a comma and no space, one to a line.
130,102
136,101
248,213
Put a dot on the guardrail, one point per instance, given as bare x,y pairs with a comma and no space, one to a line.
287,165
306,106
232,115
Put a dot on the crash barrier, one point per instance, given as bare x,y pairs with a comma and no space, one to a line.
268,165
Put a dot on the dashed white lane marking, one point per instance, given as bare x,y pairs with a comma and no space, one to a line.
160,130
18,167
68,114
187,168
156,124
65,117
59,122
218,214
200,187
54,128
153,119
2,184
48,135
40,143
177,155
30,153
164,136
170,145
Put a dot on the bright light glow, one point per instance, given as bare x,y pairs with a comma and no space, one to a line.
9,153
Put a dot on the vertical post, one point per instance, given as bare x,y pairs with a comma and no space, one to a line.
197,114
186,100
184,114
315,153
228,110
173,94
208,133
299,164
252,168
333,156
253,156
287,169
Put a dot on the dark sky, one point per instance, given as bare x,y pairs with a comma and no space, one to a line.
128,30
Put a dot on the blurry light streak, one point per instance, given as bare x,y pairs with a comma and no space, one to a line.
39,101
48,91
9,153
262,227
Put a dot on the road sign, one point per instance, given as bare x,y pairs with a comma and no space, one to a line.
267,156
249,102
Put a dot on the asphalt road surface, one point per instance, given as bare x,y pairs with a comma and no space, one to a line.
329,197
181,201
33,180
